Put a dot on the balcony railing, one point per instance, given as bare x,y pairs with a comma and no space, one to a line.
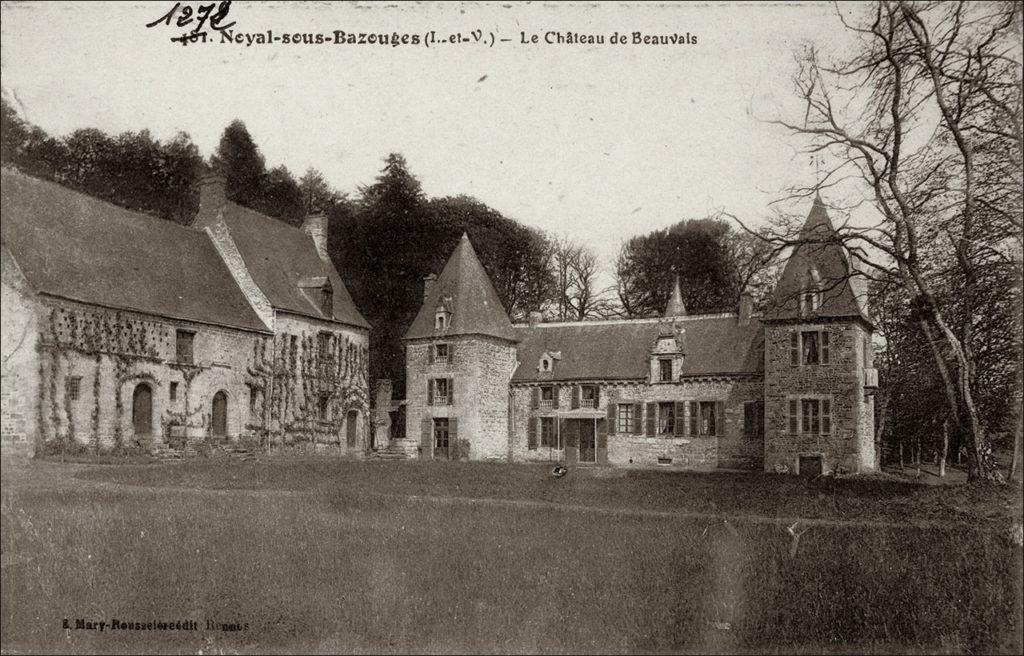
440,399
870,377
587,403
441,359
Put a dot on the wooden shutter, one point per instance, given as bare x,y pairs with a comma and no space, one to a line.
531,432
430,391
451,354
638,419
535,398
679,429
720,418
430,353
575,397
652,419
602,443
427,438
794,418
694,418
554,396
824,347
597,397
451,391
453,437
826,416
612,415
794,348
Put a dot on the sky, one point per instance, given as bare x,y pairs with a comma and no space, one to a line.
594,142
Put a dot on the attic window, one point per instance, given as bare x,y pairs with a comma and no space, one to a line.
810,301
327,301
545,364
440,321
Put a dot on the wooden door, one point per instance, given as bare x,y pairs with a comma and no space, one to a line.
588,439
142,410
220,414
569,440
350,428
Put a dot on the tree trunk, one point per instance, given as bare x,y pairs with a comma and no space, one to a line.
901,455
945,448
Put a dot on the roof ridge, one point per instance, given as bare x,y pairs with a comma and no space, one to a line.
638,321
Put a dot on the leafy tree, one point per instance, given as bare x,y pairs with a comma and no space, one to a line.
317,194
239,159
281,197
713,263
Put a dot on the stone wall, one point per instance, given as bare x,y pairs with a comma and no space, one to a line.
850,445
480,368
732,448
20,380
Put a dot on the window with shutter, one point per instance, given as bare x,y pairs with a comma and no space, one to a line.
638,410
430,391
555,390
627,421
824,347
679,429
451,391
793,416
652,412
612,416
794,348
666,418
575,397
694,418
535,398
826,416
531,433
549,433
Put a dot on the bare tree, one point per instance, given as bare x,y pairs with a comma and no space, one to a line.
925,117
577,278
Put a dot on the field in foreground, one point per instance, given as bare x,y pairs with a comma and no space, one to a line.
344,556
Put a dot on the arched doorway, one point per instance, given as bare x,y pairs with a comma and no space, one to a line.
142,409
220,414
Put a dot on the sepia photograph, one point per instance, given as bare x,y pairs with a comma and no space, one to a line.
511,327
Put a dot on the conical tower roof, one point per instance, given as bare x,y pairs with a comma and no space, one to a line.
824,265
676,307
465,291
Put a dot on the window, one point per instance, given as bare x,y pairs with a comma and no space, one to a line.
624,420
588,396
324,407
707,418
441,434
545,365
441,320
327,301
809,347
811,416
183,342
441,353
323,345
810,301
547,396
441,391
753,419
666,418
174,391
73,387
666,369
549,433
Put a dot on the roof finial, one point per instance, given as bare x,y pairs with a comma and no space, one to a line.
676,307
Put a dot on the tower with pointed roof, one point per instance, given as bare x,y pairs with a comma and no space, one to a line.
460,354
818,370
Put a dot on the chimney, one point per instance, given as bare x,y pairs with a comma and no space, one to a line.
535,318
212,196
428,286
746,308
315,225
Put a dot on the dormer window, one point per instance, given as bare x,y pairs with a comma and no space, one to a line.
810,301
665,370
545,364
327,301
440,321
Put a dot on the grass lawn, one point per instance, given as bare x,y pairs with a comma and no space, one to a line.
325,555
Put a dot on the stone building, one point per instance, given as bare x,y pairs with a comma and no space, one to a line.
790,390
122,331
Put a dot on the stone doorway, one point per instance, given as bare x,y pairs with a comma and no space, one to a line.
219,426
142,409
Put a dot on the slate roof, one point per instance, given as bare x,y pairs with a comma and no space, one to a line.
620,350
465,289
78,247
282,260
841,295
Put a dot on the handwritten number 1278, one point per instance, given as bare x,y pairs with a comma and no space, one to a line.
202,15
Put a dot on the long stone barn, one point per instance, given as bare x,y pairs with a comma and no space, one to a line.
790,390
124,332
